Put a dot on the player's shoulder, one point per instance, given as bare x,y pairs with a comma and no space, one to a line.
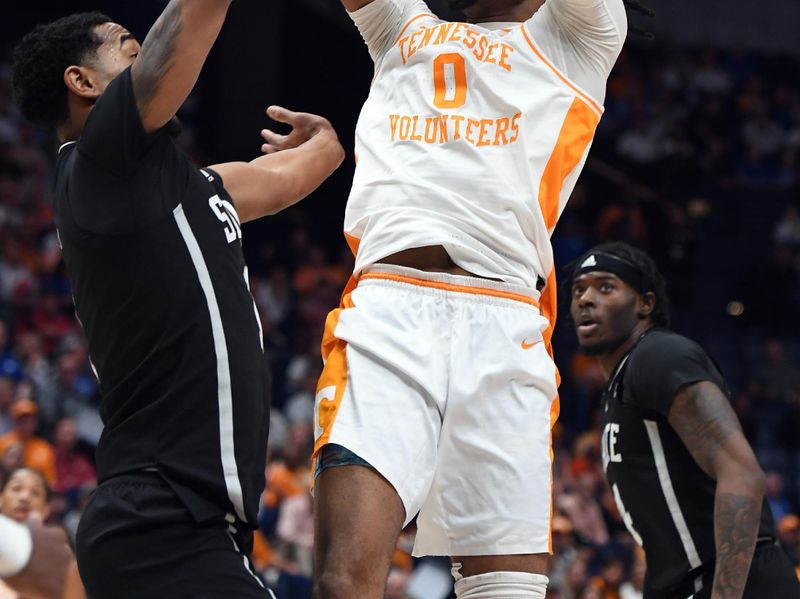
663,345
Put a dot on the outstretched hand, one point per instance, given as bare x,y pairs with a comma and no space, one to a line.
304,127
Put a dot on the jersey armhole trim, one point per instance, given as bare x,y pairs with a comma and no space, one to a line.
581,94
408,24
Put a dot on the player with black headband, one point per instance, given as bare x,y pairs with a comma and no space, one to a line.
685,479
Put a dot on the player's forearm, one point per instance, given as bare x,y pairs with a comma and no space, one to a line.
737,513
172,56
299,171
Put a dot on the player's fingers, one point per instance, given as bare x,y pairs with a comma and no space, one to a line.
282,115
273,139
268,149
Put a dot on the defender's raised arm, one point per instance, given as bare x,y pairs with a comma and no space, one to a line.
293,166
172,55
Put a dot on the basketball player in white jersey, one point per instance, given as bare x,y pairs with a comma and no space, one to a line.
439,391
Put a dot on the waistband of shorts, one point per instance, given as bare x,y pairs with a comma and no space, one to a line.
447,282
151,477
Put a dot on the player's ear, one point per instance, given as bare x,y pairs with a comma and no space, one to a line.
81,82
645,305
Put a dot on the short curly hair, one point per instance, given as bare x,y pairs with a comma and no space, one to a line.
40,59
652,279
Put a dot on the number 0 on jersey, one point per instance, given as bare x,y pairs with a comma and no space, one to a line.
450,80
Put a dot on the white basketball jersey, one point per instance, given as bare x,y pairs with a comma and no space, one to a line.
471,139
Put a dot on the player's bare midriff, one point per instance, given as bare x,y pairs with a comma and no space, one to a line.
433,258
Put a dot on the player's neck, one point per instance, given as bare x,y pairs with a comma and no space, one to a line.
71,129
610,361
517,13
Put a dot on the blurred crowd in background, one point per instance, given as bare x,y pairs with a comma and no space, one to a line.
696,161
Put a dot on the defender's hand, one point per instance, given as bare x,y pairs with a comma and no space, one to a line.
304,127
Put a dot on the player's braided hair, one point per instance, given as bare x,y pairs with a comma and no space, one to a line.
40,59
652,279
636,6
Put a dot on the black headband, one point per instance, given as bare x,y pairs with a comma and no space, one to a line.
625,270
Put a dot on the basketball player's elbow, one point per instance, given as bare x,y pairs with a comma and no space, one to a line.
745,476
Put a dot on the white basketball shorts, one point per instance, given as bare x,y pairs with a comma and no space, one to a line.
444,385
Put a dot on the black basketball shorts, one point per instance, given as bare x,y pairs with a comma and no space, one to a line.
136,540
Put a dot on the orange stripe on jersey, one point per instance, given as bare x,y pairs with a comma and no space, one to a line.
407,25
456,288
560,75
576,134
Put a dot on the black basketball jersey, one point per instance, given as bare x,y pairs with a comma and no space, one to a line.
152,246
663,496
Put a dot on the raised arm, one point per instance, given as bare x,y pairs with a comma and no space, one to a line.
582,38
703,418
172,55
294,165
380,21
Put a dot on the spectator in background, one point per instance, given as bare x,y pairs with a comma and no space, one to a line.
789,536
23,493
10,460
50,320
14,274
777,378
564,551
774,494
38,368
582,507
576,580
8,388
10,366
73,469
634,588
610,578
36,452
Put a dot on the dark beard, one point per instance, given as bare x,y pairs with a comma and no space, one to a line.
604,347
460,4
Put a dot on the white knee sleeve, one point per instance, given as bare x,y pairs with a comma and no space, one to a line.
501,585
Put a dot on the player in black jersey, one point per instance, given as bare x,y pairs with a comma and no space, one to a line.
152,246
685,479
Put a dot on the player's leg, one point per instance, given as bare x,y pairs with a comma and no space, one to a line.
357,518
490,502
377,426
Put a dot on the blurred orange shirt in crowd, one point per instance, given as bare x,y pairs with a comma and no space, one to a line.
36,453
283,482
